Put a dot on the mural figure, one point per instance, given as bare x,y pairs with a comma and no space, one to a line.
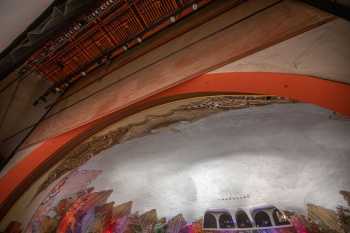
87,211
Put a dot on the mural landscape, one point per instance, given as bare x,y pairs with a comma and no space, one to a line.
227,172
89,211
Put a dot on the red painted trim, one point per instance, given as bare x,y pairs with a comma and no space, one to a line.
25,168
328,94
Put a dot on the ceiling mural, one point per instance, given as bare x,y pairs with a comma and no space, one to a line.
113,124
188,111
202,164
77,36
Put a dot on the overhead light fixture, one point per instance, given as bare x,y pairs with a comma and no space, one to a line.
76,27
139,39
125,47
82,22
58,90
194,6
172,19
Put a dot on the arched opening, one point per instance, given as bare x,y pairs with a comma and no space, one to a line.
226,221
296,87
279,218
243,220
209,221
262,219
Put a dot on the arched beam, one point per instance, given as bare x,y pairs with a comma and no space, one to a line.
327,94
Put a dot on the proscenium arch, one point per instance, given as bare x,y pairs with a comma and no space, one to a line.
328,94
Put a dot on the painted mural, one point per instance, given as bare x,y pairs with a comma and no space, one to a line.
193,110
203,176
87,210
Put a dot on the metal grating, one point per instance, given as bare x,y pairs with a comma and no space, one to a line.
113,25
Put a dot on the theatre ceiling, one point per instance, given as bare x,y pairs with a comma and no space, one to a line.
171,81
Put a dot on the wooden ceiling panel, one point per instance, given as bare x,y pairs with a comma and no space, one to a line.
152,11
124,27
109,27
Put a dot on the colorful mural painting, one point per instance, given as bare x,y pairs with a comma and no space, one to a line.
188,111
106,193
89,211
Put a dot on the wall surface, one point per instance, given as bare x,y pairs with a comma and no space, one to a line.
322,52
18,15
18,115
19,156
287,155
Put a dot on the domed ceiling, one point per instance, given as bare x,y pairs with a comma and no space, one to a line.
153,143
180,163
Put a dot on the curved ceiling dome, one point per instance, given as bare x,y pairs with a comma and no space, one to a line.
291,155
288,155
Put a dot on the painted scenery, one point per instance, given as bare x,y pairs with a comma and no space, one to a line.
227,172
89,211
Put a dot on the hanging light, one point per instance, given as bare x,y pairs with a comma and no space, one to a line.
58,90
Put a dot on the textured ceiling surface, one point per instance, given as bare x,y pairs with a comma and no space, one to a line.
76,33
235,159
43,27
16,16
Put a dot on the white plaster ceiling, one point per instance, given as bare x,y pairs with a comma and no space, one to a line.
16,16
285,161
